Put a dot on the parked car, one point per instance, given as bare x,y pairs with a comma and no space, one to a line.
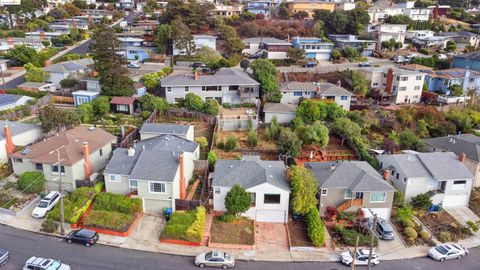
444,252
83,236
133,65
215,259
399,59
38,263
364,64
361,258
4,256
46,204
310,65
385,230
198,65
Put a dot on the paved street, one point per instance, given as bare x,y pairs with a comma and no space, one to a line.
23,244
325,67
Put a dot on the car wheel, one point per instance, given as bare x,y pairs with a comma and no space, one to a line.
442,259
348,264
459,257
69,241
87,244
201,265
372,264
224,266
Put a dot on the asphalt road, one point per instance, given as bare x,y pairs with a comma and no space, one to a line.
22,245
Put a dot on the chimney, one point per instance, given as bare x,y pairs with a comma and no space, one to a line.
9,146
131,152
42,35
462,157
389,83
10,40
183,181
386,174
195,75
87,163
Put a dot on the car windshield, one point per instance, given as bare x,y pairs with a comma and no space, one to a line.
226,256
54,266
42,204
441,249
208,256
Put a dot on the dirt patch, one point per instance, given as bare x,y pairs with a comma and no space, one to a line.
239,232
266,149
331,77
299,234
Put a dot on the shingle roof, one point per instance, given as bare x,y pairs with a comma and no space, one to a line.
451,73
357,176
153,165
6,99
470,56
464,143
16,128
266,40
68,66
33,84
225,76
122,100
322,88
279,107
250,172
72,140
161,128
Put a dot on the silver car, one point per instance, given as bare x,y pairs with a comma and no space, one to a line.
215,259
444,252
38,263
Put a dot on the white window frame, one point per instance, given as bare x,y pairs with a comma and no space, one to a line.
324,191
351,194
378,201
115,179
459,186
217,190
130,183
157,192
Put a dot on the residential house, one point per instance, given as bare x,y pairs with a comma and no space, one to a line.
461,144
366,46
442,175
270,48
266,181
199,42
37,87
42,35
16,134
68,69
91,84
309,6
9,101
381,10
150,130
295,92
84,152
427,39
125,4
352,185
386,32
10,42
315,48
441,80
140,90
440,11
226,10
262,7
82,96
228,85
285,113
68,24
156,170
467,60
130,42
462,38
397,85
127,105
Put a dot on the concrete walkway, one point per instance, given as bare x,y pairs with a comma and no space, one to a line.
462,214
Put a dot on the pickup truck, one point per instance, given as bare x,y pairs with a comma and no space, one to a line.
4,255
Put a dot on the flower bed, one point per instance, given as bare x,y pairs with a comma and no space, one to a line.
185,226
108,220
411,232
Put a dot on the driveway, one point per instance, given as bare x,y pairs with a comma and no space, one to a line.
462,214
271,238
389,249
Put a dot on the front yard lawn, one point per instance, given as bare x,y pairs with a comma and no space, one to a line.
237,232
186,225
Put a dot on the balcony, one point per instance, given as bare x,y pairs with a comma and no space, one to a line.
249,92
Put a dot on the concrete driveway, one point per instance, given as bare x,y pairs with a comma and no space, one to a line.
387,249
271,238
462,214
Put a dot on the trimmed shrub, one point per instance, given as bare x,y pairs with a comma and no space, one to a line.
99,187
425,235
31,182
181,222
49,226
472,225
109,220
421,201
445,237
408,223
410,232
75,204
212,159
349,236
117,203
195,230
252,138
398,198
227,218
231,143
315,226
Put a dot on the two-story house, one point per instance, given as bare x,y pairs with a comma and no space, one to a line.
462,38
68,69
315,48
294,92
266,181
352,185
366,46
84,152
440,174
156,169
441,80
228,85
16,134
386,32
262,7
270,48
383,9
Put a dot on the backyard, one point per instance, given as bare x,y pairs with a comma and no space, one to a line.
236,232
112,122
267,149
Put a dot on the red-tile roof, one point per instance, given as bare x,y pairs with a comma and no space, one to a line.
122,100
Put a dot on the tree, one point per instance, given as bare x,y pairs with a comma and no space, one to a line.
359,82
351,53
202,141
288,143
150,80
212,159
283,11
304,190
238,200
194,102
71,9
244,64
56,119
266,73
408,140
31,182
315,134
399,19
451,46
345,128
81,4
300,15
295,54
232,43
35,74
24,54
462,121
85,112
162,34
24,10
249,29
318,29
208,56
101,106
114,76
150,6
151,103
182,36
336,53
455,90
211,107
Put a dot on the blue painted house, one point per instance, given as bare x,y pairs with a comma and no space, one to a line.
315,48
80,97
440,80
137,53
140,90
470,60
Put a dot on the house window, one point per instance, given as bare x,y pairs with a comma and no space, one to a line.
378,197
39,166
324,191
404,78
217,190
271,198
348,194
122,108
100,152
210,88
405,180
253,199
297,94
344,97
375,84
397,175
233,88
169,89
18,160
55,169
114,178
417,87
459,185
187,89
418,78
157,187
133,183
403,88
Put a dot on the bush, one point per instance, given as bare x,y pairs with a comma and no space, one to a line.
408,223
75,204
202,141
421,201
49,226
31,182
238,200
212,159
316,228
405,213
196,229
227,218
410,232
472,225
181,222
445,237
425,235
117,203
68,83
252,140
211,107
99,187
110,220
221,145
231,143
349,236
398,198
194,102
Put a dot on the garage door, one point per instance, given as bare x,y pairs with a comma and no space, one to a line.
383,213
151,205
457,200
270,216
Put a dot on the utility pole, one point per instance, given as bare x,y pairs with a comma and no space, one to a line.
60,188
372,240
355,252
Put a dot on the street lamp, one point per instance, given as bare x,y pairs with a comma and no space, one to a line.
60,187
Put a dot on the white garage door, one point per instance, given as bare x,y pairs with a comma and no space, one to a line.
383,213
457,200
270,216
152,205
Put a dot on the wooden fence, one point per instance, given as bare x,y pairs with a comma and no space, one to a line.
196,116
63,99
187,205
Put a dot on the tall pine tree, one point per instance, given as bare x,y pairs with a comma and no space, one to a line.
113,74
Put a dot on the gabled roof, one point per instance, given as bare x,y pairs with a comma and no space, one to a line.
452,73
468,144
122,100
7,99
162,128
357,176
250,172
16,128
34,84
69,66
72,140
225,76
321,88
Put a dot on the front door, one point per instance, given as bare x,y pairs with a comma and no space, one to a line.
359,195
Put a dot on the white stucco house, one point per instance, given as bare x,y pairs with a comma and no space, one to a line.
266,181
199,41
17,134
69,69
294,92
284,112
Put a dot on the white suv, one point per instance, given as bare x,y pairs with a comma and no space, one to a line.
46,204
37,263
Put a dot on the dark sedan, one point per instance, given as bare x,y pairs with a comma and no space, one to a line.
83,236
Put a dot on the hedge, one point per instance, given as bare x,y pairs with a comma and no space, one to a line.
31,182
315,226
75,204
109,220
198,226
117,203
187,226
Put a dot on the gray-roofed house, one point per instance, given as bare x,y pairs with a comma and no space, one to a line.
294,92
68,69
442,175
284,112
150,130
228,85
21,134
467,144
9,101
37,87
270,48
352,185
266,181
156,169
